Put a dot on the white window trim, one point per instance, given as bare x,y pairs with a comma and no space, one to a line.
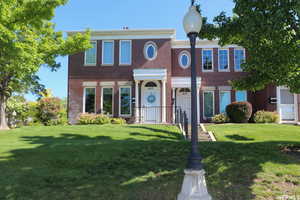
213,92
244,50
212,56
120,53
146,47
90,64
220,99
187,53
84,93
120,114
113,53
241,91
219,67
113,102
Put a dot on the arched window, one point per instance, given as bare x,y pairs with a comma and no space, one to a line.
150,51
184,59
150,84
184,90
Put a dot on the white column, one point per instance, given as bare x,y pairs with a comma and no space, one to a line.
198,104
173,101
164,101
137,101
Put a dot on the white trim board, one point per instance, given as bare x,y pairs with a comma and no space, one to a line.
150,74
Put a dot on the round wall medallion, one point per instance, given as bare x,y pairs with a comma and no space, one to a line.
151,98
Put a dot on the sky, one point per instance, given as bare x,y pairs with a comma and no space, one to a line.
113,15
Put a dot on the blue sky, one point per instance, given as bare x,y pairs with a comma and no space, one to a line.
108,14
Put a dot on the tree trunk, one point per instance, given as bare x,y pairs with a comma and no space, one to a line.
3,120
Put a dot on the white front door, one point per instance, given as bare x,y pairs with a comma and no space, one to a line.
151,109
183,101
287,108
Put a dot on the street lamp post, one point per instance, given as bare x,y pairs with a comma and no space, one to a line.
194,185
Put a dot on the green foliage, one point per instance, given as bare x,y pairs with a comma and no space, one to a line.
118,121
28,40
17,110
49,110
270,31
85,119
266,117
220,118
239,112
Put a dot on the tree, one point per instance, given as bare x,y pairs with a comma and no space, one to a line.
27,42
270,32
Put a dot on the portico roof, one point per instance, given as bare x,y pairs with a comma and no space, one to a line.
149,74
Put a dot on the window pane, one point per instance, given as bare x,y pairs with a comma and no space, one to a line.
224,100
241,96
207,59
286,97
125,52
90,100
223,59
108,53
107,100
90,54
208,104
151,51
238,59
184,60
125,101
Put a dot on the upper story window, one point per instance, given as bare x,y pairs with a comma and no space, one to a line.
207,60
108,53
90,56
125,52
184,59
239,59
150,51
223,60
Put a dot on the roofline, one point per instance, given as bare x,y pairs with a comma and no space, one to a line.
170,33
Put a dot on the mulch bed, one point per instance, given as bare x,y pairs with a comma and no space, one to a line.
292,150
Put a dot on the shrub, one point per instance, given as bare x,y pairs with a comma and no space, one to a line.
239,112
102,119
85,119
49,109
266,117
17,110
118,121
220,118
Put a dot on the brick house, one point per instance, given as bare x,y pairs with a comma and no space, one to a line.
143,75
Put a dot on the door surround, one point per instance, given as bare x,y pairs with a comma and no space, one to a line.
279,106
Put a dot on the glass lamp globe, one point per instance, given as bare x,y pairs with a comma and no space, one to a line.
192,21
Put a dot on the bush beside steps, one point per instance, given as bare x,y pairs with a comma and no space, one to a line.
100,119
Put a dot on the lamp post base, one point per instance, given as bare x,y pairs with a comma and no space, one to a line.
194,186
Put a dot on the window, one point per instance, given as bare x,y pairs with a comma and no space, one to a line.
150,51
150,84
184,59
241,96
107,101
108,53
225,99
223,60
125,101
239,59
208,98
125,52
89,100
90,56
207,60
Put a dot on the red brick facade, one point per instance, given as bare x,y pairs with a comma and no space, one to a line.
167,58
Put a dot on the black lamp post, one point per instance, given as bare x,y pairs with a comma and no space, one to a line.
192,25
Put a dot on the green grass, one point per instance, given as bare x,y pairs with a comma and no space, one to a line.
144,162
251,163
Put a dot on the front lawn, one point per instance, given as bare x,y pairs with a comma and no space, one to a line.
144,162
252,164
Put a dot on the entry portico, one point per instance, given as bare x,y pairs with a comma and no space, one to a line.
150,95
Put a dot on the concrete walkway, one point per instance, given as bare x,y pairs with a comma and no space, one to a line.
202,136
